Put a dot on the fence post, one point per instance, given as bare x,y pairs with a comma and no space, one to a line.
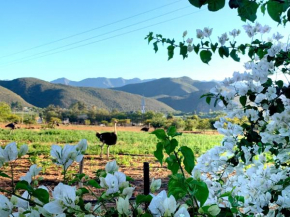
81,170
146,180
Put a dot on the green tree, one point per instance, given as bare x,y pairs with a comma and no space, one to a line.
5,111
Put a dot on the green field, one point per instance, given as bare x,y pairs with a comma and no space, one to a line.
135,143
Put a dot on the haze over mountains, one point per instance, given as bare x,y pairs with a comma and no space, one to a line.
100,82
165,94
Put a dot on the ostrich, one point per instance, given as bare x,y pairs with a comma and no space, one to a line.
12,126
146,129
108,138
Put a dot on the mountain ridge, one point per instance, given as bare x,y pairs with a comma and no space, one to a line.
100,82
41,94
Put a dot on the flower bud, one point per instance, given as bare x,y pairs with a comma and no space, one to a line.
155,185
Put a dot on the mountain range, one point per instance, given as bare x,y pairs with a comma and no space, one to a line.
100,82
42,94
165,94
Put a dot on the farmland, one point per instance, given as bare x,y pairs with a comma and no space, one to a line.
133,148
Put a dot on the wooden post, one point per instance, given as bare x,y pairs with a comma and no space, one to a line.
146,180
81,170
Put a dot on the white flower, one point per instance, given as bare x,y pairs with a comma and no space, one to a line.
155,185
169,205
189,48
9,153
111,183
265,29
182,212
123,206
156,204
82,145
111,167
128,192
184,34
199,34
277,36
189,41
223,39
67,155
207,32
64,196
23,150
34,170
235,32
5,206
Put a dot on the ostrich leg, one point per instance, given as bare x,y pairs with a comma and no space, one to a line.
102,146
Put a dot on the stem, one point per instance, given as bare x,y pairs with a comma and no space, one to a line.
193,199
28,200
12,178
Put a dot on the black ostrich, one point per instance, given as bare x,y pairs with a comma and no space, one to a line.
12,126
146,129
108,138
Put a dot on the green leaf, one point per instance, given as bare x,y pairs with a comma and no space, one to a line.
159,152
201,191
215,5
94,183
234,3
24,186
177,186
208,99
170,49
205,56
279,83
4,175
275,10
41,195
172,164
226,194
224,51
288,17
155,46
243,100
263,8
214,47
143,199
171,131
196,48
234,55
183,50
247,10
198,3
189,160
149,37
160,134
170,147
242,48
128,178
83,191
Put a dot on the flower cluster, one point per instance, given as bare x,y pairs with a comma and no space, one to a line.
249,170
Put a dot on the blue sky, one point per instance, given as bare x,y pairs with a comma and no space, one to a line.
30,23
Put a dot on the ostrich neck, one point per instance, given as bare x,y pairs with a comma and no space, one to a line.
115,128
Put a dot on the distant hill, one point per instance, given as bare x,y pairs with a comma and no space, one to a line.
182,93
167,87
41,94
9,97
100,82
189,103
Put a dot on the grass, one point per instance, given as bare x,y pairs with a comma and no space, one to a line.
132,143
